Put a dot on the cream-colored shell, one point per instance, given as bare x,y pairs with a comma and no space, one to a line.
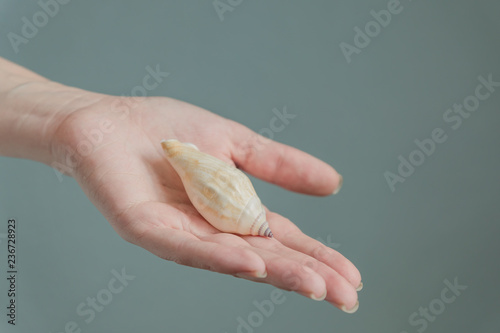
221,193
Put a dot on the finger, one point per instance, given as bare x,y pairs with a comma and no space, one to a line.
282,272
291,236
287,273
183,248
282,165
153,232
339,291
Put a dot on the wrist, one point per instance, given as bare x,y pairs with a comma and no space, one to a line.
32,111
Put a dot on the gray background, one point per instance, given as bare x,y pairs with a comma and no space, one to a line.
441,223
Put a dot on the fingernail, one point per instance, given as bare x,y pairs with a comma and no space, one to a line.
261,275
339,186
360,286
354,309
252,275
314,297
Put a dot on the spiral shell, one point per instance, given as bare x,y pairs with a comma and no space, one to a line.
221,193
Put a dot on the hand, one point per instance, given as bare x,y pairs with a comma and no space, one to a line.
111,146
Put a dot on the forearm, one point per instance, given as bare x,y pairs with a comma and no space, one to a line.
31,109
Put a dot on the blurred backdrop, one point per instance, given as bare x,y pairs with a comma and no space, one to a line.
401,97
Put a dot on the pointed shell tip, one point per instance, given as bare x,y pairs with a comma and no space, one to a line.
268,233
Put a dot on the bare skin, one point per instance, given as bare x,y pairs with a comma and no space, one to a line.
111,146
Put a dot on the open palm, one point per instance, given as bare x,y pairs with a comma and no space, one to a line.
117,159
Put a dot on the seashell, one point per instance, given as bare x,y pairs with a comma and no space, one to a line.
221,193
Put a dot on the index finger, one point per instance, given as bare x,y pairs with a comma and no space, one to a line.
283,165
290,235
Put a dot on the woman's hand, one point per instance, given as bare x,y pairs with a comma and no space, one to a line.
111,146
